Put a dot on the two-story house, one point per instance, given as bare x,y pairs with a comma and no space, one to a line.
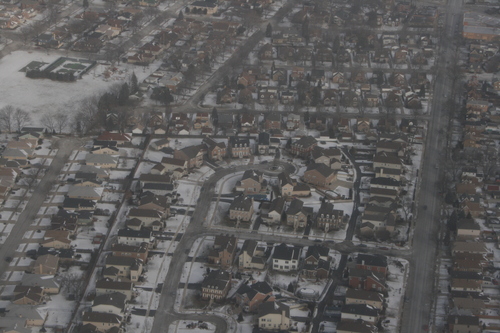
223,251
241,209
251,256
274,316
329,218
286,258
216,285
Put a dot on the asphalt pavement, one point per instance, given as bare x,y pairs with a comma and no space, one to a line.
420,290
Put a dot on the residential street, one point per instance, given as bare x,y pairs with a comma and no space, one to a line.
65,146
420,292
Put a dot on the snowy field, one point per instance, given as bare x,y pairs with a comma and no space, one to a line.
44,94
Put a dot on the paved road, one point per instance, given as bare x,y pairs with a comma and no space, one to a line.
28,215
420,293
165,313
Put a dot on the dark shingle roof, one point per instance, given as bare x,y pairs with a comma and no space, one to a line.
286,252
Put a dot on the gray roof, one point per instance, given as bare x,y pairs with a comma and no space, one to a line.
113,285
100,159
43,281
100,317
321,168
241,203
305,141
285,252
116,299
361,309
216,279
273,308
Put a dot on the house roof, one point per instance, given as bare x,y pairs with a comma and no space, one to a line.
285,252
372,260
364,295
267,308
277,205
122,261
47,260
85,191
115,299
113,285
143,233
317,251
473,247
356,327
467,224
360,309
305,141
264,138
295,207
101,317
100,159
241,203
117,247
385,181
321,168
173,161
154,199
216,279
39,280
463,320
110,136
150,213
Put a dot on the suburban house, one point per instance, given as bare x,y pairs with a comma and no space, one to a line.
135,237
316,264
103,161
223,251
275,211
252,256
46,265
367,280
359,326
387,165
155,202
174,164
241,209
85,192
359,296
274,316
27,295
373,262
193,155
216,151
48,283
108,286
239,147
319,175
463,324
286,258
110,303
252,182
102,321
123,267
250,297
304,146
468,229
289,187
329,218
364,312
112,136
150,217
216,285
131,251
297,215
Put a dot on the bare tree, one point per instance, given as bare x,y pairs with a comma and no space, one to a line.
26,33
49,121
21,119
86,119
73,284
7,118
62,120
30,177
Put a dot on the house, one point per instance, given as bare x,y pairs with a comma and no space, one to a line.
289,187
155,202
274,316
469,247
272,121
358,326
252,182
330,157
319,175
110,303
328,218
85,192
124,267
148,217
223,251
131,251
118,137
247,122
27,295
159,188
286,258
241,209
193,155
304,146
372,298
160,144
367,280
316,264
216,285
78,204
175,164
251,256
263,144
364,312
239,147
203,7
297,215
102,321
101,160
468,229
275,211
250,297
47,282
46,265
216,151
373,262
108,286
135,237
463,324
